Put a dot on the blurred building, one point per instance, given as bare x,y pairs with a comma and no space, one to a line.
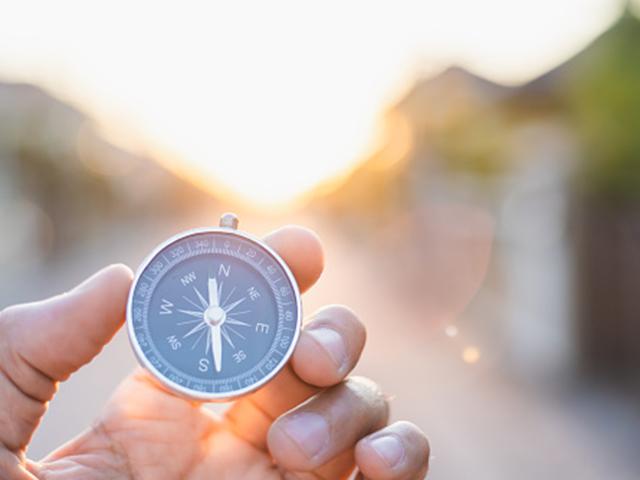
60,181
556,162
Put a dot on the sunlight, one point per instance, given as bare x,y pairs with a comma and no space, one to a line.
264,100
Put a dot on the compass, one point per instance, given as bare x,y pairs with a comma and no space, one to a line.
214,313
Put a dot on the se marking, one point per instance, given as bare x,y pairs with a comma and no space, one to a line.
239,356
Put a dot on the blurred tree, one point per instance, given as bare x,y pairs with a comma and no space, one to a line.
603,94
604,100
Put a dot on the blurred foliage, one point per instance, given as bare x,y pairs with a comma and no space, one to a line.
475,144
470,129
604,101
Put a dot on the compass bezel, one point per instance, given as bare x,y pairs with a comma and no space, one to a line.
176,388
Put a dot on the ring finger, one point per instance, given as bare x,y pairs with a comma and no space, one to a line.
316,435
328,349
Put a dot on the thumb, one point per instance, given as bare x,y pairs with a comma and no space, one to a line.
44,342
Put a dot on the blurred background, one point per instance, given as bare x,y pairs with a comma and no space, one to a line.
472,167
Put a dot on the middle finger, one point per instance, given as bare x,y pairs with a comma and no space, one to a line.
328,425
328,349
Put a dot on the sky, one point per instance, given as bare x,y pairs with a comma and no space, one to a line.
264,100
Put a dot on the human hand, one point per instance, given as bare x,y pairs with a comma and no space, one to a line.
309,422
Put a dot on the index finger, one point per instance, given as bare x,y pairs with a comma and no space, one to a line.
301,250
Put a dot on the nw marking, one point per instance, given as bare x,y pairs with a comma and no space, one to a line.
188,278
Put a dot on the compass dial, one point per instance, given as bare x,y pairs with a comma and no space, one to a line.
214,314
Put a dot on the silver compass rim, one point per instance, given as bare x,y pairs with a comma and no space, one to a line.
187,392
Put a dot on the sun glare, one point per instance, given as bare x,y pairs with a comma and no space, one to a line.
265,100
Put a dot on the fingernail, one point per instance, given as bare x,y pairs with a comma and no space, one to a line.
309,431
389,448
333,343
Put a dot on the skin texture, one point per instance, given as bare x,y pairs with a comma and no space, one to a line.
311,422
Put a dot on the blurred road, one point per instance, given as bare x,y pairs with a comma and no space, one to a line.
484,422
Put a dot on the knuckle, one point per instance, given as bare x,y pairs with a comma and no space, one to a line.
15,367
340,312
369,393
7,315
341,317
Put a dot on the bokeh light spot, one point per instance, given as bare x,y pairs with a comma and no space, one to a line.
471,355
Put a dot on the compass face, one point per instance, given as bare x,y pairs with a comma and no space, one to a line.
214,314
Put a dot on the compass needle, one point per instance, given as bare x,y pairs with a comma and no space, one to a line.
189,322
228,338
201,298
234,304
213,292
229,296
193,347
216,342
195,329
191,301
214,313
208,346
233,330
193,313
233,321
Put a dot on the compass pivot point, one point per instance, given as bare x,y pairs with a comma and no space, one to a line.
215,315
